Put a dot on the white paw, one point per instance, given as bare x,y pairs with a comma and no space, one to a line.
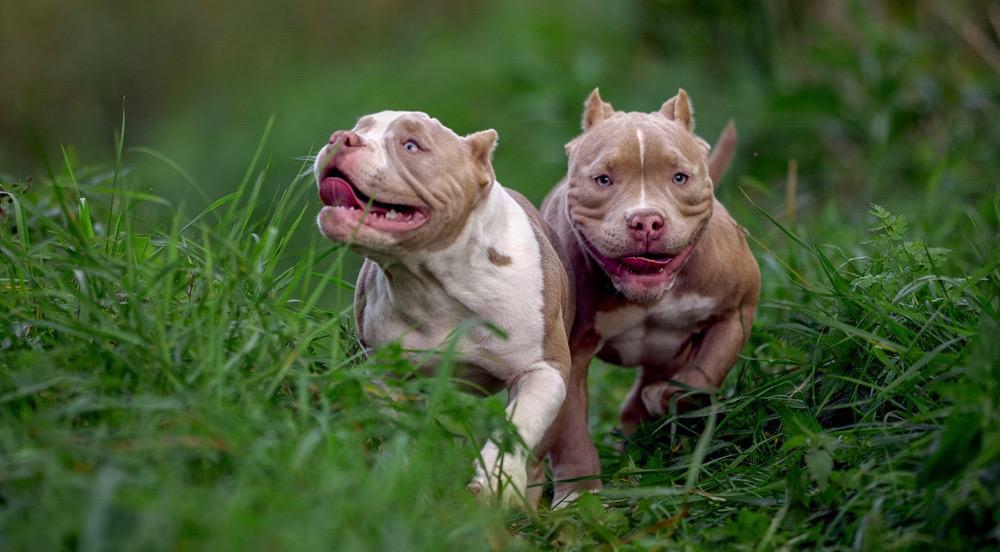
500,475
562,500
652,398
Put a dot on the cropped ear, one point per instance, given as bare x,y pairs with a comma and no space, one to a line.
570,147
481,146
595,110
679,109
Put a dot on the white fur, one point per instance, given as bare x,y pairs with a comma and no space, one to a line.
375,136
464,284
535,402
652,335
382,121
642,167
652,397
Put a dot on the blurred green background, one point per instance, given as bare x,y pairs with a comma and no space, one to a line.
891,102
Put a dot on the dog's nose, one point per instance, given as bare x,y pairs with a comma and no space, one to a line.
348,138
646,224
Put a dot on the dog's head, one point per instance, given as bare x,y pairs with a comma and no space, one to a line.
400,182
640,193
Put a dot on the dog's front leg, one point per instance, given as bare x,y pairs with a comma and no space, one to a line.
708,368
575,465
535,398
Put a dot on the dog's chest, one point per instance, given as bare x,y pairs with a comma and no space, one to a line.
490,313
653,334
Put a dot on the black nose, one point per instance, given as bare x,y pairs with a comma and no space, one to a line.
645,224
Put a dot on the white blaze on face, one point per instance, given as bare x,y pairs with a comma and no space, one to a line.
375,132
374,135
642,167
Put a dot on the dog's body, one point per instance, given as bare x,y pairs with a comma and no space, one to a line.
496,271
665,281
454,247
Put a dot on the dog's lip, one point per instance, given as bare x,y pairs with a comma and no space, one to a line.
341,196
335,172
642,264
646,263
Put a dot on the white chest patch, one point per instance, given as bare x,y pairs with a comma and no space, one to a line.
652,334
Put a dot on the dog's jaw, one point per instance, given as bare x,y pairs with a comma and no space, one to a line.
349,213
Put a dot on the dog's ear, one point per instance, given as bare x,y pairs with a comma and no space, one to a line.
595,110
679,109
481,146
570,147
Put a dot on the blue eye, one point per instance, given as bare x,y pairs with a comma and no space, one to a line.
680,178
603,181
411,146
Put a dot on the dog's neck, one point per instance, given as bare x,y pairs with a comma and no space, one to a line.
418,275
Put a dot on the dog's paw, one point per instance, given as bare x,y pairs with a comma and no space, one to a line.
656,397
567,496
475,487
500,476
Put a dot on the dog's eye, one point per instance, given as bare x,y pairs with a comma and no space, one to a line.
603,181
412,146
680,178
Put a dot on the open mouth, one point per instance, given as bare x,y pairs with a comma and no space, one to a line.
648,266
338,192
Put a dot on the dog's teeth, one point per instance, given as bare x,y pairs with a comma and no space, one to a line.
392,214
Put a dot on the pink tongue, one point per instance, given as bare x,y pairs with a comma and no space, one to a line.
644,265
336,191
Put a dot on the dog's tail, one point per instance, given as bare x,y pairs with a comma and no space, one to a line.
722,153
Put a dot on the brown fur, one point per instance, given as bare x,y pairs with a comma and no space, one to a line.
497,258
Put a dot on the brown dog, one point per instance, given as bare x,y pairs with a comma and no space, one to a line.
665,280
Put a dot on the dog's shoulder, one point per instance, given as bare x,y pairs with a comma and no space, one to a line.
724,265
555,263
539,223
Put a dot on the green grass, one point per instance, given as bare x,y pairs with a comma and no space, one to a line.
191,386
